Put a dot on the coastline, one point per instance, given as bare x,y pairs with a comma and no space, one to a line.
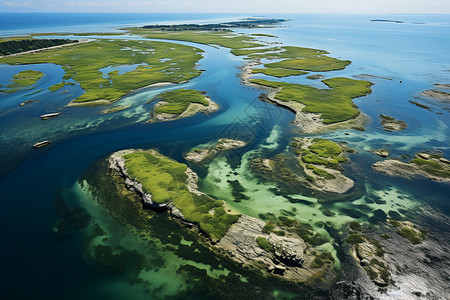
307,122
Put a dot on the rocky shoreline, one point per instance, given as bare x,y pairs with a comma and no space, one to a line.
433,168
192,110
307,122
199,155
287,256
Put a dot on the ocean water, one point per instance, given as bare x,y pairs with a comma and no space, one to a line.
413,54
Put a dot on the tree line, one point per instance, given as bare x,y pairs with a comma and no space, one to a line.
11,47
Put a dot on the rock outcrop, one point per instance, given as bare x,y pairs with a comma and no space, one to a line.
434,168
199,155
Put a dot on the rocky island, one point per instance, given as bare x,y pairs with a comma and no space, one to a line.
273,248
392,124
430,165
179,104
199,155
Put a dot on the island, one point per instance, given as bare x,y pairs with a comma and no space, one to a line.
24,79
179,104
392,124
278,247
430,165
320,109
198,155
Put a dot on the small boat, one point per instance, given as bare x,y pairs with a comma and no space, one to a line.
49,116
42,144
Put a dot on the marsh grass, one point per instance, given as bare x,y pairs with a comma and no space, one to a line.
83,61
165,180
178,101
334,104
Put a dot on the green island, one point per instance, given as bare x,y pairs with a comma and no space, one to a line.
180,103
283,246
83,62
333,105
167,182
23,79
320,160
428,164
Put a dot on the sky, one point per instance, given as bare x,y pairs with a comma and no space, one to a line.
231,6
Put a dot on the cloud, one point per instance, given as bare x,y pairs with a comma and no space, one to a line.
18,4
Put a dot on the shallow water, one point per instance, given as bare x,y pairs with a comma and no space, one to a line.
415,54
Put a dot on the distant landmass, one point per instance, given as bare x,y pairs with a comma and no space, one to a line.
390,21
246,23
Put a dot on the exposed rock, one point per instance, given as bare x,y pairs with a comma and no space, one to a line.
392,124
381,152
367,254
431,168
436,95
442,86
424,155
325,178
315,77
290,257
199,155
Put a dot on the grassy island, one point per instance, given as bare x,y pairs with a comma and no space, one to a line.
181,103
334,104
155,62
167,181
279,72
22,80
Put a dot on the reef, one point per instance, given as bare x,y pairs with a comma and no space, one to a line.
436,95
430,165
198,155
271,248
369,254
320,160
392,124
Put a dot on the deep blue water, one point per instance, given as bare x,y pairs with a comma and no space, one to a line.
415,54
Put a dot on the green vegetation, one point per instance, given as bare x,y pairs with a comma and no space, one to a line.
320,172
386,236
263,34
411,232
433,167
320,152
419,104
322,259
263,243
56,87
334,104
355,239
8,47
279,72
221,38
312,63
290,52
23,79
268,227
83,61
178,101
355,226
165,180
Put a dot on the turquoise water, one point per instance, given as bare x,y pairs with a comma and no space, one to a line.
415,54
